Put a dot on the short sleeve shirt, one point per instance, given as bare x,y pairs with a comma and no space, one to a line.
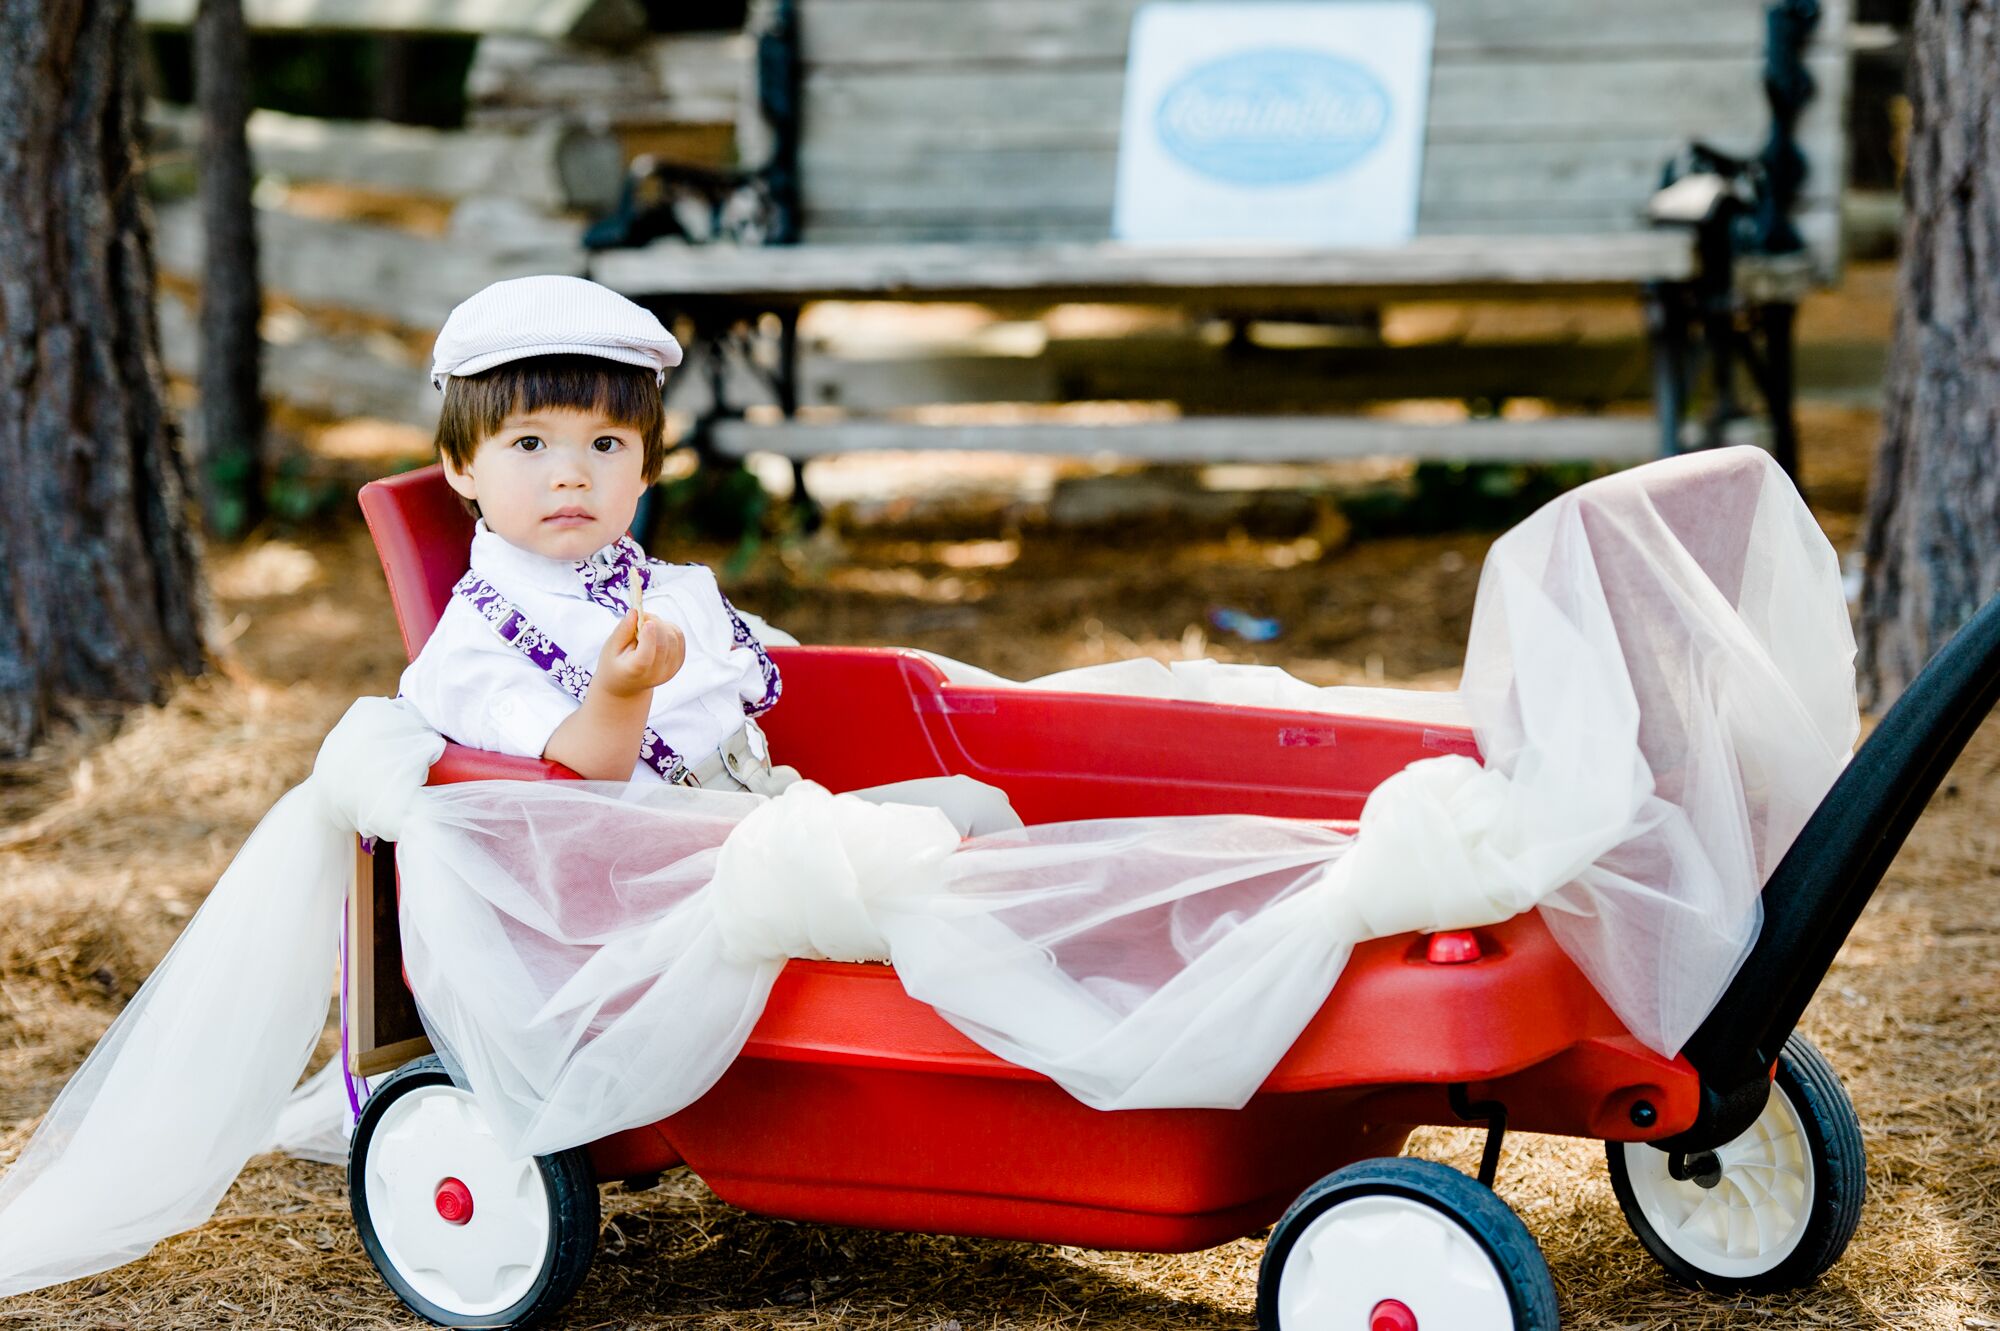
471,686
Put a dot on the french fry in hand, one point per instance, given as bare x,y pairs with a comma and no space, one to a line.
635,592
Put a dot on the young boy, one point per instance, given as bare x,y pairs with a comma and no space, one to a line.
552,428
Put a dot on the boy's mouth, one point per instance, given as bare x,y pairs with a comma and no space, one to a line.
569,517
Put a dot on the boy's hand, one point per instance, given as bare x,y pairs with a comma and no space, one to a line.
643,652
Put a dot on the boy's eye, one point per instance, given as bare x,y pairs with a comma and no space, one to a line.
529,443
607,443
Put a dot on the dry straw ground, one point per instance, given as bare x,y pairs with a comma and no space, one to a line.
110,835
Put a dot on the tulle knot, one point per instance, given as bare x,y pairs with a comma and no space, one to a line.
797,877
1443,829
372,764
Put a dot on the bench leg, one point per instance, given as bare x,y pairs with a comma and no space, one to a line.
1779,385
699,357
711,341
785,386
709,349
1667,328
1725,342
723,338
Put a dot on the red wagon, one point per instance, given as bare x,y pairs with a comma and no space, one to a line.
1738,1163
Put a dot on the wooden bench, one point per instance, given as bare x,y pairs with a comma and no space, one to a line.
939,150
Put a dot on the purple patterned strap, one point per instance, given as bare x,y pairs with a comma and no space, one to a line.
740,633
573,679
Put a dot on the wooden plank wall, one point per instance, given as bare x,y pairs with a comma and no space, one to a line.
394,159
999,119
551,18
371,231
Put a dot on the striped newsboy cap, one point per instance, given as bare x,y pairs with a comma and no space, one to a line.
550,315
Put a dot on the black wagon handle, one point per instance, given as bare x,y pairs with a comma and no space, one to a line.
1818,890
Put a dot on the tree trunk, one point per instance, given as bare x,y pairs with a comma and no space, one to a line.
231,402
1933,535
99,587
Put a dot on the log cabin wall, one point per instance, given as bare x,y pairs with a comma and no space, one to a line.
371,231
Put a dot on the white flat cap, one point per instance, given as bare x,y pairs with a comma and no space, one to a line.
549,315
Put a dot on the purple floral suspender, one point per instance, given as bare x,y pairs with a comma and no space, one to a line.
740,634
573,679
517,632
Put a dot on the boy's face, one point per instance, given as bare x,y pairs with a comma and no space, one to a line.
561,483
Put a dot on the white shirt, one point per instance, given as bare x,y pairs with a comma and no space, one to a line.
472,686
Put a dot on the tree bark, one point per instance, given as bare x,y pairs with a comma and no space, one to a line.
231,401
1933,533
99,587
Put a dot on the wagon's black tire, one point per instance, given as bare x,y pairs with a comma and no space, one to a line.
416,1134
1372,1233
1775,1207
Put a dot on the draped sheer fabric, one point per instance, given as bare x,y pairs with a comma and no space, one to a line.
191,1078
1659,674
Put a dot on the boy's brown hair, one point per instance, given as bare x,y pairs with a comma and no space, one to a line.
476,405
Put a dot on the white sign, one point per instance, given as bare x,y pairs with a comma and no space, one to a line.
1295,123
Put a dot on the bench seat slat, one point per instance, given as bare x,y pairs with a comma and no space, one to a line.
1623,439
1819,226
1208,277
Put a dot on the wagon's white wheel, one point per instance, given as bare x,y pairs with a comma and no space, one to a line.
465,1233
1769,1210
1402,1245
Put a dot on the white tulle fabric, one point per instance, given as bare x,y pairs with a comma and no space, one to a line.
190,1079
1659,674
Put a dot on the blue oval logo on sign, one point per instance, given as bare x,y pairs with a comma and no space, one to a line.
1273,117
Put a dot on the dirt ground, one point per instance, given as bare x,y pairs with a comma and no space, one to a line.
112,832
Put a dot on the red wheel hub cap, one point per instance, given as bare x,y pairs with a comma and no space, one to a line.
454,1203
1392,1315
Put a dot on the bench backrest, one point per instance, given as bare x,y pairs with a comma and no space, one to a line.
998,119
